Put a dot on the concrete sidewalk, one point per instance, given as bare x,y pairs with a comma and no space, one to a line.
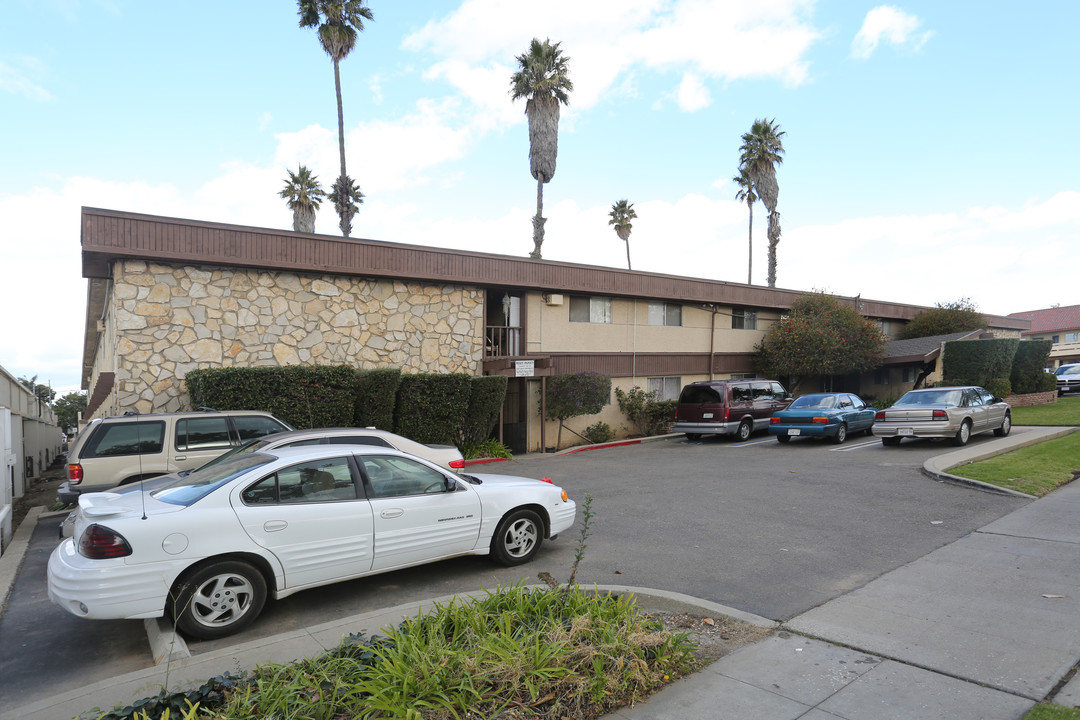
985,627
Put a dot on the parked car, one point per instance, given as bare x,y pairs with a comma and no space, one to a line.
1068,378
728,407
947,412
831,415
446,456
126,448
207,549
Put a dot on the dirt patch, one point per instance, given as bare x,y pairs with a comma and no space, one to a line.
40,490
715,637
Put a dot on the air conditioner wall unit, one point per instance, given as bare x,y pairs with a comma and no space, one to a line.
554,299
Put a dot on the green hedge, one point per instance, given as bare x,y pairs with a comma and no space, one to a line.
1028,368
485,401
431,408
303,396
978,362
376,395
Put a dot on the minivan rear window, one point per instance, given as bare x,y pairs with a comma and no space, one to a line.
700,395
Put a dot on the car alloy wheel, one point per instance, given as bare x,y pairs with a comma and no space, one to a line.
963,434
518,537
219,599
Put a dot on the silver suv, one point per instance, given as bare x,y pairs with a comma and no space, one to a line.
1068,378
118,450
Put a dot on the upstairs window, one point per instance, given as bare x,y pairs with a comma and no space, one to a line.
742,319
664,313
590,309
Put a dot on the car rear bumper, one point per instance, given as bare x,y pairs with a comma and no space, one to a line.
708,428
105,589
818,430
918,430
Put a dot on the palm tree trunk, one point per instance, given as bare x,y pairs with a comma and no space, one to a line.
343,211
538,221
627,239
750,255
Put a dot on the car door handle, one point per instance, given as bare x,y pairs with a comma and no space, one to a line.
274,525
392,513
179,457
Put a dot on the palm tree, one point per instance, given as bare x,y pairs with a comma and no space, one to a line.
338,22
762,150
746,192
621,214
543,80
351,199
303,195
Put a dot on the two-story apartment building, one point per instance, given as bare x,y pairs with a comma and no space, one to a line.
1060,325
166,296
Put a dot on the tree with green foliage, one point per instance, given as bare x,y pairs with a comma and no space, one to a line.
44,393
543,80
761,151
620,216
819,336
576,394
338,23
68,407
303,194
944,319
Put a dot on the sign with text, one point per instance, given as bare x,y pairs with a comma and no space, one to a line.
524,368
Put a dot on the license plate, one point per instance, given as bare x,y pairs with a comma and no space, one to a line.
905,431
795,431
706,416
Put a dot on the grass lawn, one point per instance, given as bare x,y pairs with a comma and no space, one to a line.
1052,712
1066,411
1035,470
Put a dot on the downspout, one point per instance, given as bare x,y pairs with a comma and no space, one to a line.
712,341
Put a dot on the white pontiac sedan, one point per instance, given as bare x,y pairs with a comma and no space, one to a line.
207,549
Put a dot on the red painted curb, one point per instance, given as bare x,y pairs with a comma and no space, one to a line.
601,446
482,461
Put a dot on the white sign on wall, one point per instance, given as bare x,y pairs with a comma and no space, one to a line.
524,368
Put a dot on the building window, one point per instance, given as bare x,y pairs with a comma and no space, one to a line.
742,376
590,309
881,376
909,374
885,326
1055,340
666,388
664,313
1072,337
744,319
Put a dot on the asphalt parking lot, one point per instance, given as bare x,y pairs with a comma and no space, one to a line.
767,528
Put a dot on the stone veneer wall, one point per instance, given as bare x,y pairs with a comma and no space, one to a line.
173,319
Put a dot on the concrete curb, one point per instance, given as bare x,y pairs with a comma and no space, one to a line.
13,556
937,467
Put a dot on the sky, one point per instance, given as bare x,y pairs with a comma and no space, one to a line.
930,148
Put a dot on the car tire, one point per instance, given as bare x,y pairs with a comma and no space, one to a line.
890,441
692,437
783,439
963,434
841,434
218,599
743,431
518,537
1006,426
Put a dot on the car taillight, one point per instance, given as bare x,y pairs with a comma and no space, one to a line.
99,542
727,414
75,473
774,420
547,480
940,415
880,415
457,464
820,420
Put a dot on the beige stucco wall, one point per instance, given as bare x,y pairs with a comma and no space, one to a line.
164,321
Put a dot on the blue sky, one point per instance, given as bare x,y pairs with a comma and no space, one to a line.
930,148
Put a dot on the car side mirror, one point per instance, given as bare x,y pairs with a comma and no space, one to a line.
451,484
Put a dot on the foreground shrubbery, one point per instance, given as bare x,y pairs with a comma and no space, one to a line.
517,653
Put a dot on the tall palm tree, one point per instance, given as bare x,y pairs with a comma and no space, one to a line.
351,199
338,23
746,192
542,78
621,214
762,150
303,194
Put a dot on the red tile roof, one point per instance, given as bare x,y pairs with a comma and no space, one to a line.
1050,319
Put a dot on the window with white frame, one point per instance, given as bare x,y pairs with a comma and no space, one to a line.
742,319
666,388
665,313
590,309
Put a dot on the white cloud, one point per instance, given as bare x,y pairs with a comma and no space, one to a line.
886,23
17,81
692,94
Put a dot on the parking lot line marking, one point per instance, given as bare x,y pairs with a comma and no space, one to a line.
860,446
748,443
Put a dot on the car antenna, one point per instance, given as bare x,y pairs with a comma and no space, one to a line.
138,440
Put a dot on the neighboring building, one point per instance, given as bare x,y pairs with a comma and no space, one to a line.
167,295
29,442
909,364
1061,326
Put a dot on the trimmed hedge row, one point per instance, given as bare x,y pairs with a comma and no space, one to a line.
1003,366
451,409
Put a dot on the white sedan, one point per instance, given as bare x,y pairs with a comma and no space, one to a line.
207,549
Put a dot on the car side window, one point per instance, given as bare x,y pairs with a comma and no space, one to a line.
762,391
741,393
845,401
972,398
326,480
249,427
856,402
778,390
129,438
205,433
393,476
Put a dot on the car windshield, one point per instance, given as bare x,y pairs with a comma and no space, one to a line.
932,397
249,447
1069,370
188,490
824,402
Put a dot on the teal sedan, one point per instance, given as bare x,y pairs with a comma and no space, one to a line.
831,415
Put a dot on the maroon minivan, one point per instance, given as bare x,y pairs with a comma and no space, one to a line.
728,407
